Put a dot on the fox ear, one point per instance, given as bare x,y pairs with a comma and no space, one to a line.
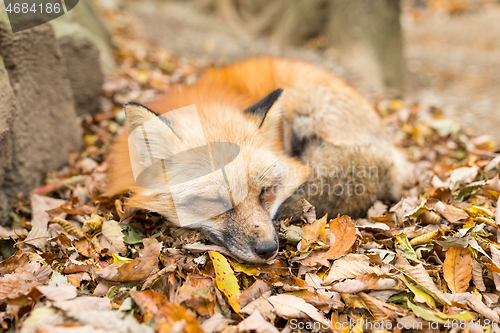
262,107
137,114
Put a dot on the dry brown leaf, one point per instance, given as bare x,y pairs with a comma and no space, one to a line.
216,323
419,275
457,269
477,276
256,323
255,291
165,315
380,310
112,237
262,305
289,307
69,227
475,303
16,284
39,206
197,294
38,238
315,285
451,213
349,286
135,270
19,259
349,267
377,209
309,212
57,294
84,303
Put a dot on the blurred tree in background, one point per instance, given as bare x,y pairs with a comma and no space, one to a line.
363,33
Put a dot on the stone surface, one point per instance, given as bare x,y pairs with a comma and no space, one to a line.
81,57
84,21
46,128
8,112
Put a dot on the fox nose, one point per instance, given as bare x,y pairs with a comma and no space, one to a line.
266,250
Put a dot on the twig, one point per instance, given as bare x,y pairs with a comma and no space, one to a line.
158,275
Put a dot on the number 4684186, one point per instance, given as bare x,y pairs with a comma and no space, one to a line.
34,8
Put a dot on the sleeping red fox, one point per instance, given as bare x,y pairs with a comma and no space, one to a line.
300,132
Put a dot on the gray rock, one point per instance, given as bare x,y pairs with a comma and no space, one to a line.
81,57
8,112
46,127
85,22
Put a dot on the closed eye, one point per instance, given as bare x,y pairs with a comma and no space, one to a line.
265,192
268,195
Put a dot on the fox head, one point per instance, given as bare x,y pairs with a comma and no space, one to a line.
217,169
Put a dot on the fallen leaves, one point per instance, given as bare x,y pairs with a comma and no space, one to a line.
86,263
167,317
15,285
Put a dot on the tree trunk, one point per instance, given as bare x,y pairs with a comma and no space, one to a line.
367,34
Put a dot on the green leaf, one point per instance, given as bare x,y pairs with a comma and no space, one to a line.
420,295
7,247
425,314
132,235
404,248
468,190
399,296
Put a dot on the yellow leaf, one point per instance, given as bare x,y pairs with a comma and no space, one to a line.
425,238
353,301
312,232
420,295
119,260
457,269
94,222
476,211
225,279
69,227
242,268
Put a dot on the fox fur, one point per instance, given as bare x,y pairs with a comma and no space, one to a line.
319,140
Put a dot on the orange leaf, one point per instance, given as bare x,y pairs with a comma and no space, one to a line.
156,307
457,269
342,236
